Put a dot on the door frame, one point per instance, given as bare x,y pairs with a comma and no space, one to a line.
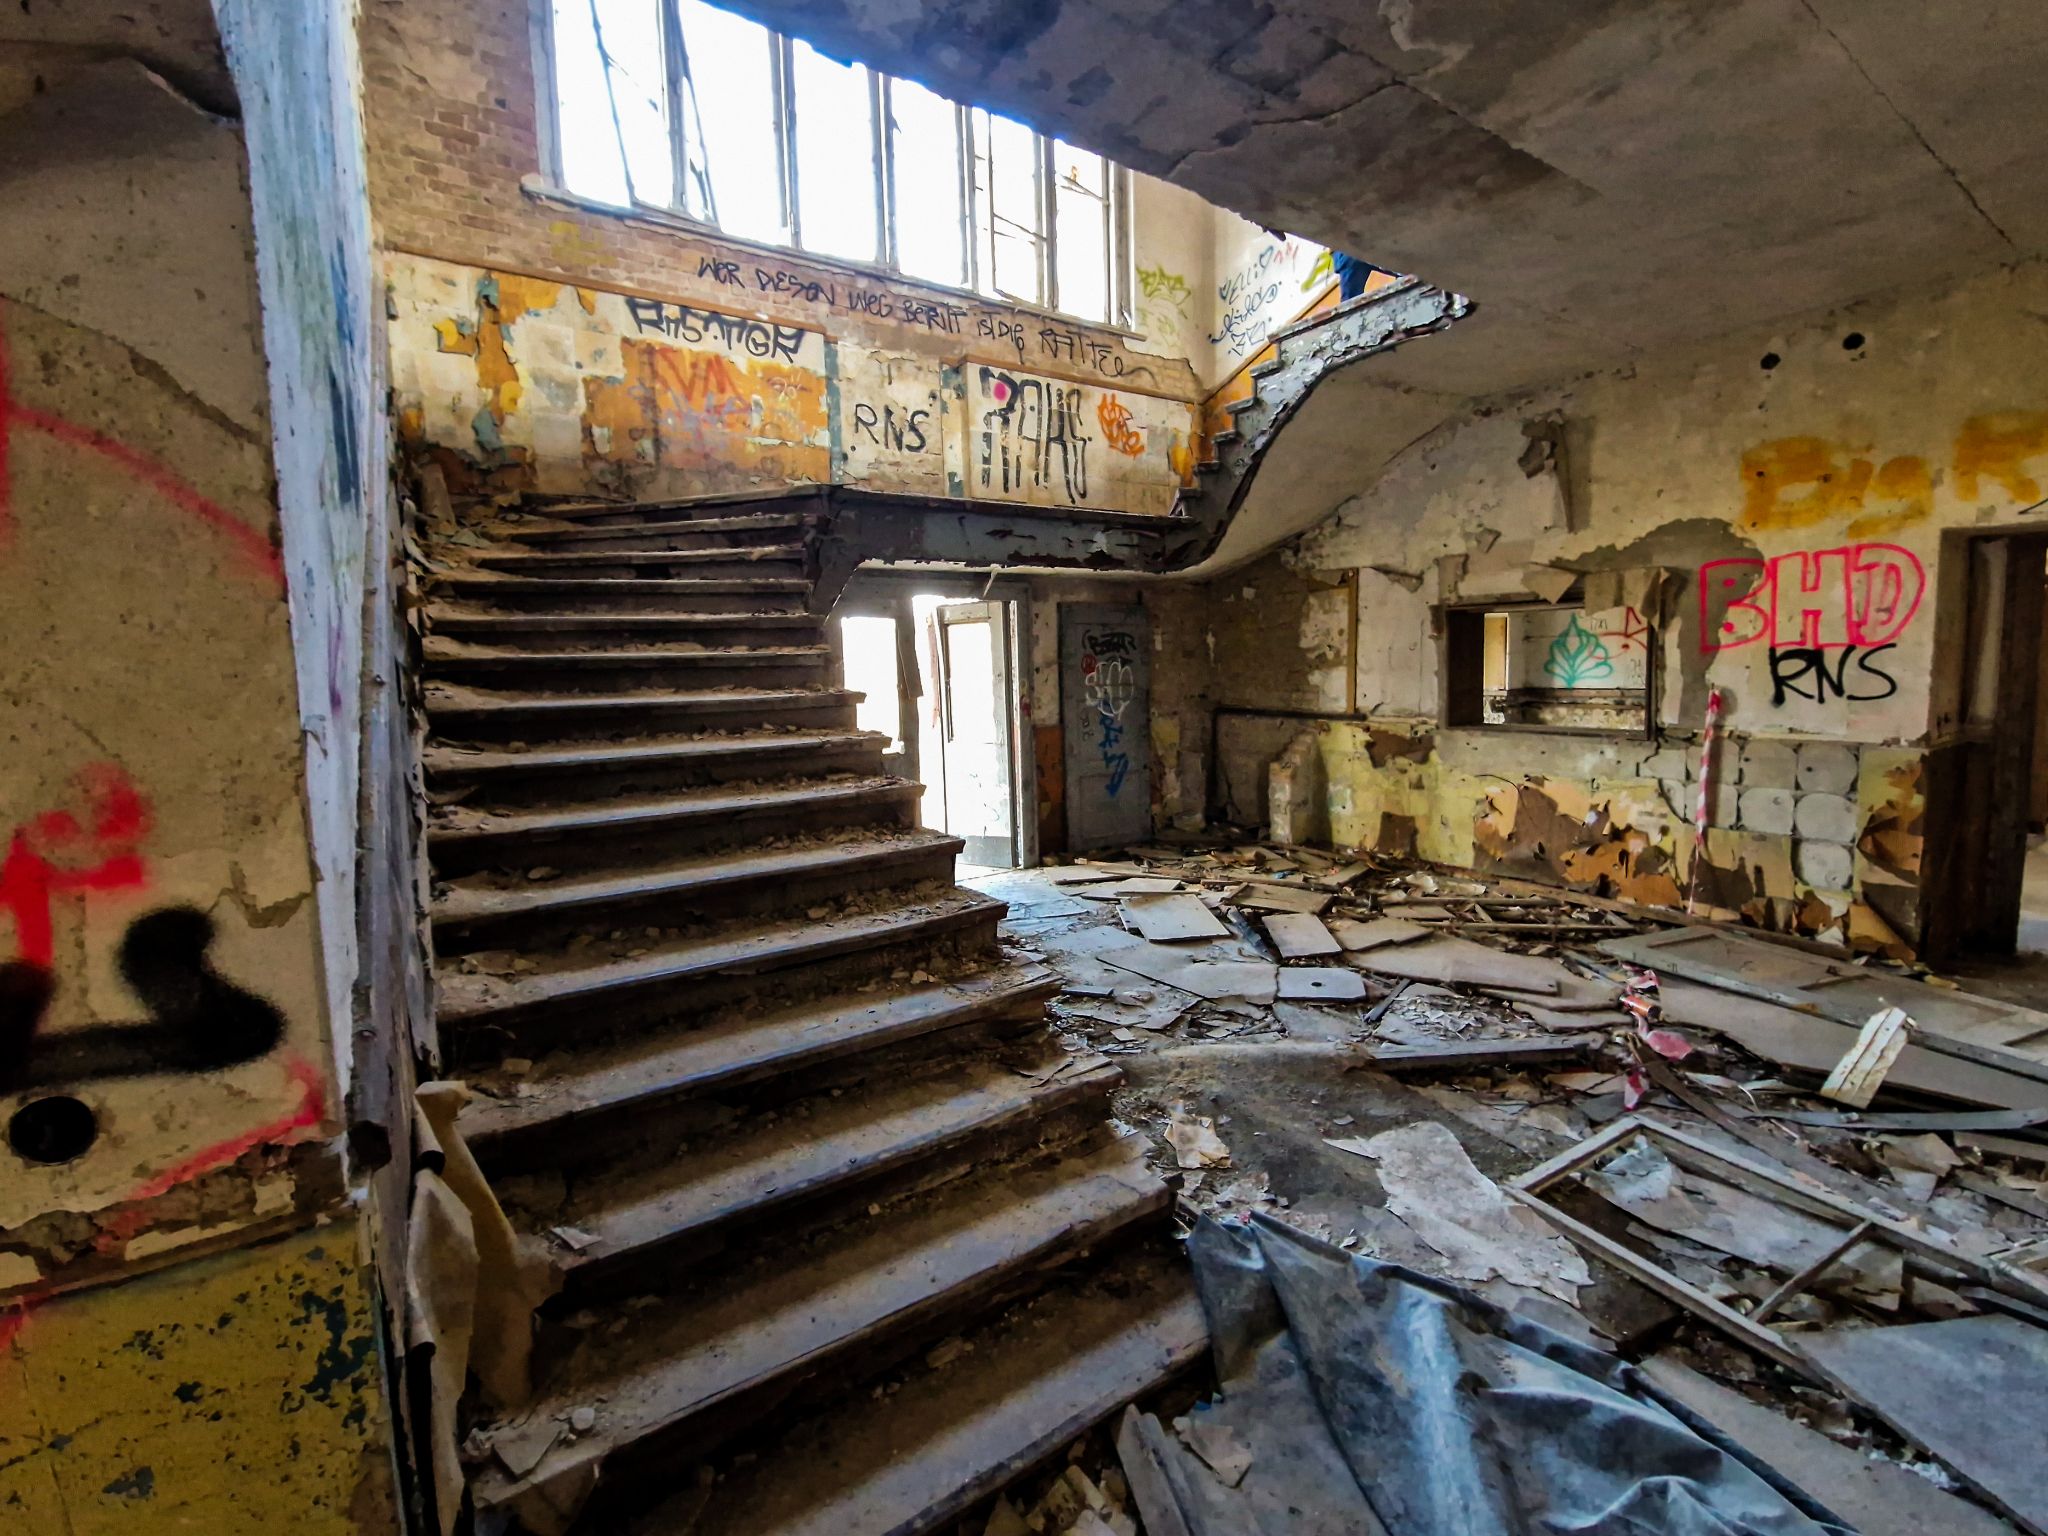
1981,743
887,593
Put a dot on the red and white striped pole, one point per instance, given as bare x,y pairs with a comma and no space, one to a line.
1706,800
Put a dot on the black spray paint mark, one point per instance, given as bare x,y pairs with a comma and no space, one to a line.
1804,672
902,431
199,1021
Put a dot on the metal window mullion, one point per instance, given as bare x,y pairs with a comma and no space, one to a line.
970,255
675,80
1048,197
882,159
783,72
1118,245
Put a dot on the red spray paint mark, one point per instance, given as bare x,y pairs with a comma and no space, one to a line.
254,546
310,1112
59,851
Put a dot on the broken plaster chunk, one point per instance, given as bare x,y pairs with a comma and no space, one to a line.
1221,1447
1829,818
1195,1142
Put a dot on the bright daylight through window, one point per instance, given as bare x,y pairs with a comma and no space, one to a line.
676,105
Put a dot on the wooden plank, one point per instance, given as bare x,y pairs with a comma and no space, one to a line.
1355,935
1280,898
1319,984
1449,959
1860,1073
1145,885
1167,918
1461,1055
1299,935
1148,1468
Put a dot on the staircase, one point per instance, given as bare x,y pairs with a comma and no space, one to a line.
844,1239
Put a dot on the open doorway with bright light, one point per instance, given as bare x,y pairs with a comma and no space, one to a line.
941,673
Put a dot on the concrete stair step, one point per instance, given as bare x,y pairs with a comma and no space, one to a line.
916,1459
598,514
459,713
657,533
593,1088
690,1373
561,631
698,973
822,1159
784,666
535,775
767,592
766,560
486,910
593,833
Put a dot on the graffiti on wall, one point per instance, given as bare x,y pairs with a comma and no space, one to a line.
1034,437
1119,429
1862,595
681,322
1261,294
895,428
1163,299
1108,685
1577,657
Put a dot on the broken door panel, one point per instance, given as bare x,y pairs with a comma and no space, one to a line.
1105,706
974,657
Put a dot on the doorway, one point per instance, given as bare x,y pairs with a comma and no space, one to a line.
941,672
1985,868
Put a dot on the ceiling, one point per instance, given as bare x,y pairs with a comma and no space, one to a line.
1606,178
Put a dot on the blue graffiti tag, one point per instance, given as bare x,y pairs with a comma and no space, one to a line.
1111,685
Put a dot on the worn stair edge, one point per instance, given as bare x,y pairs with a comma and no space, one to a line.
442,619
666,813
609,1080
441,651
447,762
921,1457
942,1114
468,999
468,906
749,1341
680,586
570,532
444,702
734,554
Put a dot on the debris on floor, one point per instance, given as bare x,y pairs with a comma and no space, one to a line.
1749,1166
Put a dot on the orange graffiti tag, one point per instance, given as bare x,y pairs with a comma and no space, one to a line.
1836,480
1117,427
1997,446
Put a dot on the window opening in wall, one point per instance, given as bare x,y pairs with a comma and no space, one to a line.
1547,667
969,727
679,106
869,646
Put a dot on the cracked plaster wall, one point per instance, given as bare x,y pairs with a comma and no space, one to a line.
1824,459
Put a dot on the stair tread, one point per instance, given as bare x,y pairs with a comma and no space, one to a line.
454,825
448,697
443,648
787,1320
742,950
768,554
443,758
682,586
467,617
579,532
472,897
905,1464
856,1135
744,1046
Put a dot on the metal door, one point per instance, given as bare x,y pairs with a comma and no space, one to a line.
1105,703
974,695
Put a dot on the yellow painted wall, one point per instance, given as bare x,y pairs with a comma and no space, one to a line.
234,1396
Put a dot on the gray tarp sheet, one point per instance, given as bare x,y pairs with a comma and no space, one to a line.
1362,1384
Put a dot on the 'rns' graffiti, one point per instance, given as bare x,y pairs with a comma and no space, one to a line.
1034,436
1108,684
1816,675
1861,595
680,322
899,431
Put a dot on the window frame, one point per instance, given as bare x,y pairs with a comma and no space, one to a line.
977,251
1461,676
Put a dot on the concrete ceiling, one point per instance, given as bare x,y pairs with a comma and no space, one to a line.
1607,178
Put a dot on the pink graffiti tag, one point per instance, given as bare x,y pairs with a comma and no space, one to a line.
254,546
1824,599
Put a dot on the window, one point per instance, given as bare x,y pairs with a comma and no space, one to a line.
677,105
1548,667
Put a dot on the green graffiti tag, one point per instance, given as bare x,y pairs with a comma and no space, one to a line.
1158,283
1578,657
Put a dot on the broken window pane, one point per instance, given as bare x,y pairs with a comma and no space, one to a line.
735,166
925,153
1081,231
1008,215
835,155
589,145
613,100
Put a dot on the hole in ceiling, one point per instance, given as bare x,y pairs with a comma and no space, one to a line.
1853,342
1771,360
52,1130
